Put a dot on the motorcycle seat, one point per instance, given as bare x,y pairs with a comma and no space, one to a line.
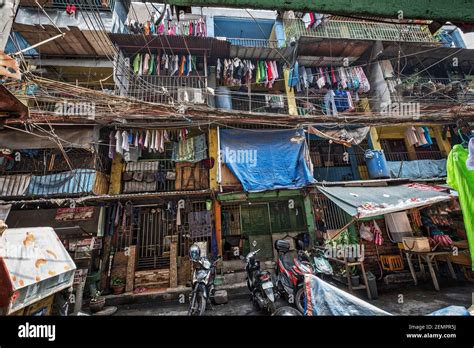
288,259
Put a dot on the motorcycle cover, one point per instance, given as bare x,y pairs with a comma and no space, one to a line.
324,299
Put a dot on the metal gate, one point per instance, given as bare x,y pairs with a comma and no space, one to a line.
153,239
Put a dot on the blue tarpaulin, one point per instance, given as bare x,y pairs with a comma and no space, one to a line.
419,169
323,299
266,160
75,181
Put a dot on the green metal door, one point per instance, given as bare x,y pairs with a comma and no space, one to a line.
256,227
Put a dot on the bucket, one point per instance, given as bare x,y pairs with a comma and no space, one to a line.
372,285
376,164
223,98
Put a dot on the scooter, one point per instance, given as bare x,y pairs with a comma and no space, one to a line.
290,272
259,283
202,284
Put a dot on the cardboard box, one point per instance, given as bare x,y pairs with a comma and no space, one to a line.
419,244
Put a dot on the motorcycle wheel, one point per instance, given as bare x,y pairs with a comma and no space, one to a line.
271,307
197,307
299,300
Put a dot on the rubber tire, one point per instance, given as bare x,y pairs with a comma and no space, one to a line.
200,305
299,300
271,308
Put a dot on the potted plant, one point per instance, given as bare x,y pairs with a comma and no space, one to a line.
97,302
118,285
355,279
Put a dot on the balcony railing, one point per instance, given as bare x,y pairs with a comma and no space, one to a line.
405,156
435,90
70,183
253,42
166,89
49,161
163,175
358,30
259,102
89,5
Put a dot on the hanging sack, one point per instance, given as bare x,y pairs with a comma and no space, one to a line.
365,233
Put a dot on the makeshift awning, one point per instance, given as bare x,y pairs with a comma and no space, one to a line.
363,202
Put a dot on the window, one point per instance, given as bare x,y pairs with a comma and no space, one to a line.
394,149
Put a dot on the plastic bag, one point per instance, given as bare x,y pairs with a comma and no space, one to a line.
365,233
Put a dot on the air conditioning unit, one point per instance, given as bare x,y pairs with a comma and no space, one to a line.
190,95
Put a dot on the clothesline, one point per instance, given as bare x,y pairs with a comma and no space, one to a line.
153,64
418,136
237,72
153,140
168,25
350,78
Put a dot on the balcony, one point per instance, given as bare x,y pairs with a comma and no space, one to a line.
259,102
46,173
262,43
165,89
432,90
163,175
89,5
358,30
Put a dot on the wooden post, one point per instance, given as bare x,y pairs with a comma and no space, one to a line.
174,262
129,285
213,153
217,218
443,144
116,175
290,94
375,139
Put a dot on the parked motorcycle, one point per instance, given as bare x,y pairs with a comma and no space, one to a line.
259,283
204,272
291,268
321,266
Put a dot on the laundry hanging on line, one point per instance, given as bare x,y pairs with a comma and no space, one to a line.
347,78
418,136
169,25
237,72
312,20
131,143
165,65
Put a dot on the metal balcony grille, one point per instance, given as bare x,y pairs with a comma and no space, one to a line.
163,89
358,30
253,42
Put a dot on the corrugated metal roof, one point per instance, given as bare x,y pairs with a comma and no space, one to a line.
76,42
136,43
373,201
14,185
263,53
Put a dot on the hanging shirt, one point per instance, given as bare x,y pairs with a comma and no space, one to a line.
125,143
111,145
428,136
470,159
329,103
420,134
118,142
461,179
410,135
